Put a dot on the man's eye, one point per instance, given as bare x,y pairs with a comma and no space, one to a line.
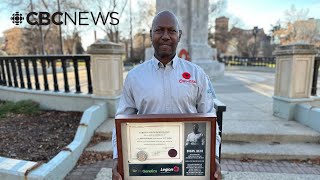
173,31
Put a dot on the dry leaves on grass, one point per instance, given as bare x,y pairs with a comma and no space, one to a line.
92,157
37,137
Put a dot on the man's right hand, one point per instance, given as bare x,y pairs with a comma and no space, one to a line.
115,173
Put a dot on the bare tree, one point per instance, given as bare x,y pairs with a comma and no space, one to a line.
235,22
298,28
43,36
245,45
293,14
305,31
217,8
134,40
145,15
111,31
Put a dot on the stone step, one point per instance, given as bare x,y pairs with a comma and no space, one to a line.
270,131
271,151
104,146
104,174
105,129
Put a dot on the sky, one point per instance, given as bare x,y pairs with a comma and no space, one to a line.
261,13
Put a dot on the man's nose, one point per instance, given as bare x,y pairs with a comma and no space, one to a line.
165,35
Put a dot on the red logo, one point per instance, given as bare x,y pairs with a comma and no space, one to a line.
186,75
176,169
187,81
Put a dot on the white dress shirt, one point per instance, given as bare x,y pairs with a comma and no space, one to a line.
195,139
175,88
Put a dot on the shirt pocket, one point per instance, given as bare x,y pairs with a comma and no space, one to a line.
187,92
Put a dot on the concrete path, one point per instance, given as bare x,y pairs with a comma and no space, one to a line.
249,131
249,128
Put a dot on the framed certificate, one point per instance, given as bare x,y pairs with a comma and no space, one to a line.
166,146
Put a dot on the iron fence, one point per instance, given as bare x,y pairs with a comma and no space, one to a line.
315,76
45,72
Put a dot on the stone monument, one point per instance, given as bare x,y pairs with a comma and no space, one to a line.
193,20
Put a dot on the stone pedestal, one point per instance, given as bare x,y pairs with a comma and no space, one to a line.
213,69
193,20
294,70
107,73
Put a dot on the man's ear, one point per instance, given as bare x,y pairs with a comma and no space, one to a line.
151,34
180,33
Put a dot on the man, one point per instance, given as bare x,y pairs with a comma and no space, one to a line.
165,84
195,138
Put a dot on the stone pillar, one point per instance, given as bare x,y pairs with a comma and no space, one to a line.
107,73
193,20
294,70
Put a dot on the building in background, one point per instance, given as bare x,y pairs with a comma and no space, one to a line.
241,42
221,35
141,41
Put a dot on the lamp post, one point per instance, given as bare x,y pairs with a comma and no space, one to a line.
254,33
143,45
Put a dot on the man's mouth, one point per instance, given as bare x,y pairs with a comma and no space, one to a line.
165,45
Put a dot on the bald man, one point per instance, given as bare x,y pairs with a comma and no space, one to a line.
166,84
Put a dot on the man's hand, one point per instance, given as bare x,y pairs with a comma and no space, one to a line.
217,173
115,173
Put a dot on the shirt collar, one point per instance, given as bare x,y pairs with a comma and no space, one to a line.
157,64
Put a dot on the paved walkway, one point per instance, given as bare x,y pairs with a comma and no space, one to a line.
240,91
90,172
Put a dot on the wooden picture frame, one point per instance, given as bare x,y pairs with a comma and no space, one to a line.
124,124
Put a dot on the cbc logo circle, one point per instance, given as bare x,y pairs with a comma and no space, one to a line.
17,18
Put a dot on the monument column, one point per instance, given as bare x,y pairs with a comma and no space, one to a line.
294,70
193,20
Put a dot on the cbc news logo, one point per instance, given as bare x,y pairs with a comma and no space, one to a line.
17,18
59,18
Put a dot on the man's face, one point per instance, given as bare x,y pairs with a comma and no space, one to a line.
165,36
195,128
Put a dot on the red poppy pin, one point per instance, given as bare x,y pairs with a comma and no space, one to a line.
186,75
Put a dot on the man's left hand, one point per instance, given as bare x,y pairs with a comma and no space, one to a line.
217,173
